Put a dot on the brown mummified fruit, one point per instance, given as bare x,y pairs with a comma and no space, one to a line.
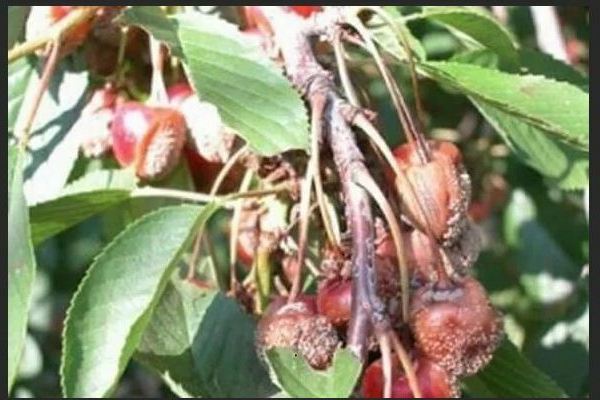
425,257
420,251
435,194
456,326
296,326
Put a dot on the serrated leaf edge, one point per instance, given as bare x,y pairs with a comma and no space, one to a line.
553,130
500,131
479,13
17,168
117,238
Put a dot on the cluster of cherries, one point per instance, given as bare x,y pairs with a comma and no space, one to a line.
453,328
150,138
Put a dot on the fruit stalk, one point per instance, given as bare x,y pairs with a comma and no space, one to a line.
23,129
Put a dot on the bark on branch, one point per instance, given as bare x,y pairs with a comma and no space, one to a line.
292,35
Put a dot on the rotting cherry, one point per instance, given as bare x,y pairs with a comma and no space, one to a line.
456,326
210,142
436,194
211,139
424,257
295,326
148,138
96,119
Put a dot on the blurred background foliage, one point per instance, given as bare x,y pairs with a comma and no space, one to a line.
536,237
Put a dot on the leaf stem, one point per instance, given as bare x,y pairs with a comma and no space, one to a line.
235,227
303,235
338,48
317,106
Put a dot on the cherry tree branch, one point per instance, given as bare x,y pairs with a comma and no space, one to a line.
292,34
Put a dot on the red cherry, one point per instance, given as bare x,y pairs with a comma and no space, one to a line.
131,123
305,11
149,138
203,172
456,326
334,300
178,92
245,252
436,193
433,380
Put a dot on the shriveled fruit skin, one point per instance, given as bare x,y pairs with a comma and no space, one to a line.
456,327
436,194
149,138
96,119
433,380
423,254
209,137
294,326
334,300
